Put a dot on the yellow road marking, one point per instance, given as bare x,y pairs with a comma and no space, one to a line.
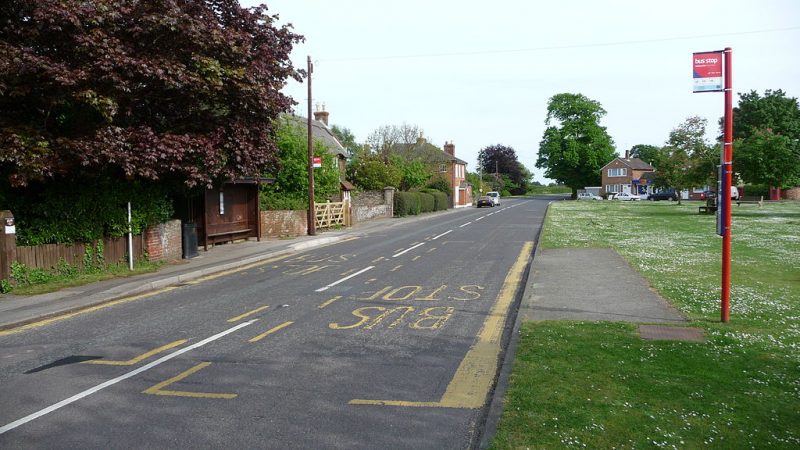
348,272
139,358
158,389
396,267
270,331
380,258
416,258
237,269
45,322
247,314
79,312
328,302
473,378
431,249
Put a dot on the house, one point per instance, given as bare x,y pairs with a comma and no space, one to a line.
443,162
631,175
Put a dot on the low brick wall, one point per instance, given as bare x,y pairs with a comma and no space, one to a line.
277,224
163,241
792,194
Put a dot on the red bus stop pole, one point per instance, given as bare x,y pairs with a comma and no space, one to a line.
727,171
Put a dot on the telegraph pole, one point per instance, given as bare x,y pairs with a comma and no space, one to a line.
312,216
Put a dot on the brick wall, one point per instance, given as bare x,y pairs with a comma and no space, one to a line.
792,194
276,224
163,242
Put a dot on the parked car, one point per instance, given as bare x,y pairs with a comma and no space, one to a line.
485,200
669,194
588,196
713,194
625,197
495,197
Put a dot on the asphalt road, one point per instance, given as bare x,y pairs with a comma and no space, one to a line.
389,340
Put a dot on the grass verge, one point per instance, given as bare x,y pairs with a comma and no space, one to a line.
597,385
57,282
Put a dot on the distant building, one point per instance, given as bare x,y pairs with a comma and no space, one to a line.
445,163
631,175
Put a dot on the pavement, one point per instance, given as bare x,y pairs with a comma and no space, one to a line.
563,284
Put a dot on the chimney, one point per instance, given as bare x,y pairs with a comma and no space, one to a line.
627,153
320,115
450,148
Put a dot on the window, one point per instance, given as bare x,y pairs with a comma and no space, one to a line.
221,203
442,167
613,188
618,172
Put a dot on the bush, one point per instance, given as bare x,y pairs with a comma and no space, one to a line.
427,202
440,199
271,201
406,204
87,209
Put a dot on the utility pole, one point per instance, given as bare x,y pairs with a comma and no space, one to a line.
312,215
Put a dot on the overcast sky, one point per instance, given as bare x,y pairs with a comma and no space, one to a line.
481,72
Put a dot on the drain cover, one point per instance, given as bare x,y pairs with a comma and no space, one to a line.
661,333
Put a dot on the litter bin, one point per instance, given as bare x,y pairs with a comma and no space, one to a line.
189,239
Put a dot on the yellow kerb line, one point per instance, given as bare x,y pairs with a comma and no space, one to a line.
158,389
79,312
137,359
474,377
270,331
121,301
247,314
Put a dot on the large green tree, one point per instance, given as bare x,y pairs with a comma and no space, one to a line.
575,146
151,90
501,165
290,189
767,133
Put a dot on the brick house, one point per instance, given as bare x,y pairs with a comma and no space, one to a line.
445,163
631,175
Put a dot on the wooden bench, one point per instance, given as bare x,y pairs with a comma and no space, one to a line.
751,201
706,209
225,236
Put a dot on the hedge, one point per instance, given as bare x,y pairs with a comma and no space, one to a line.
441,201
413,203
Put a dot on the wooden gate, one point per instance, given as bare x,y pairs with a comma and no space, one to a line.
332,214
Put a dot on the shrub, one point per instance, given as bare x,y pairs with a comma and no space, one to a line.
406,203
427,202
440,199
83,210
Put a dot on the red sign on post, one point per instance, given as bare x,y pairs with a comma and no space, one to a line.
707,71
316,162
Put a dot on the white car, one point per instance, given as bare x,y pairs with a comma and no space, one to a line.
624,196
495,196
588,196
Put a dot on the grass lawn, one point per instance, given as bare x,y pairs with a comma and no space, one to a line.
598,385
546,190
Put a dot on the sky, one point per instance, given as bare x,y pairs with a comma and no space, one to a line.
480,73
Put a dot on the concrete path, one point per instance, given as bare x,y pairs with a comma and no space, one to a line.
591,284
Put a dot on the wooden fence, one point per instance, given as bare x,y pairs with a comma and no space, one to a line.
47,256
332,214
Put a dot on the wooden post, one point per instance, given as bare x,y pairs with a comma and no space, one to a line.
8,243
